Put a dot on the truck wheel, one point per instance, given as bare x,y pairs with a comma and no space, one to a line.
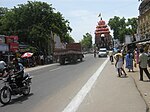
62,61
75,59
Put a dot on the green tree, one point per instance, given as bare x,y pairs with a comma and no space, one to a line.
86,42
118,25
121,27
33,23
68,38
132,25
60,26
3,10
114,25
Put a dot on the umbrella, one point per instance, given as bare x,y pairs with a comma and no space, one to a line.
27,55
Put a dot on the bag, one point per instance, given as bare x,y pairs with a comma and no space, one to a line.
135,64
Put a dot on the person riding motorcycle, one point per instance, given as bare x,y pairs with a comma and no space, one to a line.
18,71
2,67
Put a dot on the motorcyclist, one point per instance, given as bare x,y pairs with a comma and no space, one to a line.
18,71
2,67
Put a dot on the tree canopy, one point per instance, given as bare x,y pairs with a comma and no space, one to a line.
86,42
122,27
33,23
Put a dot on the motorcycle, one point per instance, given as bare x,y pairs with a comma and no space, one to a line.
11,88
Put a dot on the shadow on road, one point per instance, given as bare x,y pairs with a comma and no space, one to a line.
68,63
18,99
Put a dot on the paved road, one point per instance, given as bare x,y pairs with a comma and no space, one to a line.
57,83
88,86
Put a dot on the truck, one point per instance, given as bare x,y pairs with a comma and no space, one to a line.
71,53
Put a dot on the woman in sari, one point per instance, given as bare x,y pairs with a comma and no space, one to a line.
129,61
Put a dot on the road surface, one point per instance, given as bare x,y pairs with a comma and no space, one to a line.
88,86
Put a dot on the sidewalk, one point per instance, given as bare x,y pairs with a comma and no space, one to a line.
113,94
142,86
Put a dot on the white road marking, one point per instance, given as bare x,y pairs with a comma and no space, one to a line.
55,69
77,100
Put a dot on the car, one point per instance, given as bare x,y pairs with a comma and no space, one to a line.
102,52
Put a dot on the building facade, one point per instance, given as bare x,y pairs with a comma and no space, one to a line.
8,47
144,19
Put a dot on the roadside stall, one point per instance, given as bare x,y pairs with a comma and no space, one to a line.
27,59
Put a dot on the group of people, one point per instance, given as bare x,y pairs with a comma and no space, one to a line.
131,59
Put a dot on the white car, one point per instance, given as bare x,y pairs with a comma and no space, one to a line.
102,52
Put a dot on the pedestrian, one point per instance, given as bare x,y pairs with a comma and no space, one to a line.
129,61
136,55
42,59
119,63
111,56
143,61
94,53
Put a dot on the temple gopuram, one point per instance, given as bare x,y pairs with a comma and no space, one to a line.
102,36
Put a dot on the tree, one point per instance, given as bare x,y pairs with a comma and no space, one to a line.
86,42
114,25
33,23
122,28
118,25
68,38
132,25
60,26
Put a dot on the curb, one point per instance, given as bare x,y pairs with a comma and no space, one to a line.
39,67
147,108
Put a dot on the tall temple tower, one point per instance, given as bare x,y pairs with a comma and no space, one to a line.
102,35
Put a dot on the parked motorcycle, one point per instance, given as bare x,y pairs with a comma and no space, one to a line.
11,88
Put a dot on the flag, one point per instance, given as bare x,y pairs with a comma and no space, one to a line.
99,15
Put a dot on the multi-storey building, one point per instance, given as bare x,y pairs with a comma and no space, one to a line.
144,19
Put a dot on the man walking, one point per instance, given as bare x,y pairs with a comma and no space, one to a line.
143,60
111,56
119,63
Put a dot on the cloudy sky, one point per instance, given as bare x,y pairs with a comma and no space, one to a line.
83,14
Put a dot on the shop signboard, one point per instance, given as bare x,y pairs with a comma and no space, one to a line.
11,39
2,39
128,39
14,47
15,38
4,47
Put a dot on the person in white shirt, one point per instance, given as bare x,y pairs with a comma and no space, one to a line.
143,60
119,63
2,67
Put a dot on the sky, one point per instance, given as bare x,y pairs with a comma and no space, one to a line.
83,14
